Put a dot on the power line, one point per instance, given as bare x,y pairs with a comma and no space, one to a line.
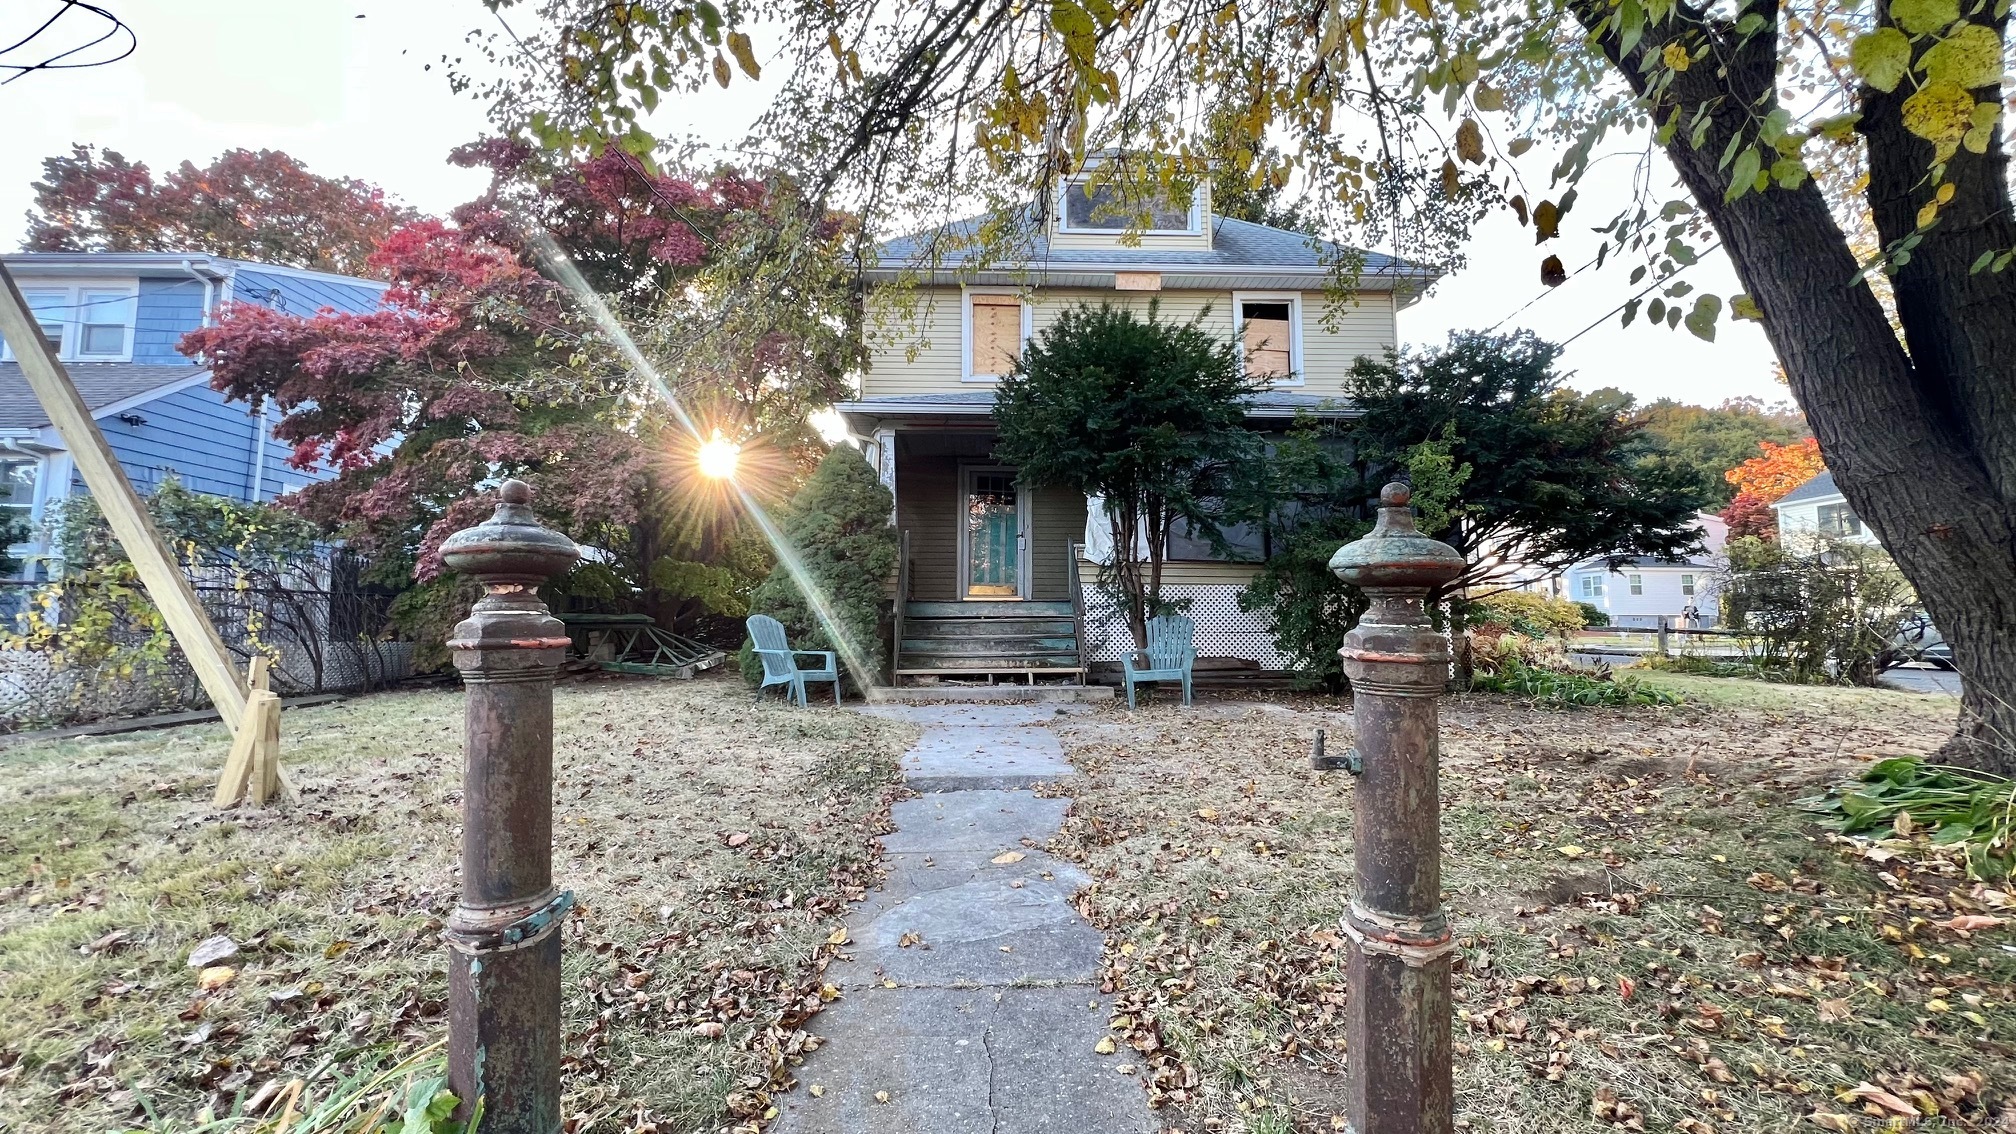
1645,291
115,27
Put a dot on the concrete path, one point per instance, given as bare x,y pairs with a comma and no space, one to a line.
971,1001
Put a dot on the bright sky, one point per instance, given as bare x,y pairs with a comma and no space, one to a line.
357,88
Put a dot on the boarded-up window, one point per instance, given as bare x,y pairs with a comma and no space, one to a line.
1269,340
997,334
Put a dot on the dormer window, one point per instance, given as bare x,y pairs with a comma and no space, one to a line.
1114,207
85,322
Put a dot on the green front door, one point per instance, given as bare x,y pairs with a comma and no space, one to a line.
993,535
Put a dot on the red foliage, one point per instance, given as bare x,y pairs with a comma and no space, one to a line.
262,206
1750,515
479,366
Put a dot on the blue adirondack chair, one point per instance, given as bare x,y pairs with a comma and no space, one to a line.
780,661
1170,655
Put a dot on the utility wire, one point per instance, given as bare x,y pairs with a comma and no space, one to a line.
115,27
1643,292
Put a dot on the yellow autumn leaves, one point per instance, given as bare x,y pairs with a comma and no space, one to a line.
1961,59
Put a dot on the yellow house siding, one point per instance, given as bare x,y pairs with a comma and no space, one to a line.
919,351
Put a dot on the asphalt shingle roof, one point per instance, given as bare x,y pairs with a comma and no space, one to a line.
1819,486
1235,244
100,383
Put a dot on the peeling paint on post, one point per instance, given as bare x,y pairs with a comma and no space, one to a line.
504,936
1397,1026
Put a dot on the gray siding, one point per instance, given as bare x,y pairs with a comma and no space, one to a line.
1057,520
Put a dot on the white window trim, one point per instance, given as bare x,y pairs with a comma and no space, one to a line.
966,295
1296,374
73,333
1196,227
1636,584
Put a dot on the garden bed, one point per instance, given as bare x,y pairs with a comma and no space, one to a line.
712,844
1654,935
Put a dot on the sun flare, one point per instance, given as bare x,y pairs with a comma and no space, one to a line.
718,457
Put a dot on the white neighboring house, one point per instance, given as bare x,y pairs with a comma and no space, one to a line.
1646,591
1816,509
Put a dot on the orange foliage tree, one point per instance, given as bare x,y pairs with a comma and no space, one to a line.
1781,469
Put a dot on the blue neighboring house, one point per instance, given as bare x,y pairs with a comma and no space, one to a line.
114,318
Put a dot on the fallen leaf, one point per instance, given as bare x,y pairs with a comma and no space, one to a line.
1572,851
709,1029
837,937
882,1096
818,1091
1006,857
1104,1046
738,838
1969,923
1834,1011
215,977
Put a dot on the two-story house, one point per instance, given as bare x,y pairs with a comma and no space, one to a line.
1815,511
114,319
996,575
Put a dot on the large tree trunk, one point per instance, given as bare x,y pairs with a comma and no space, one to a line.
1922,441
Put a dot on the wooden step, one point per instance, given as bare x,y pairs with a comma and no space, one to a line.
1015,609
1014,664
987,647
989,628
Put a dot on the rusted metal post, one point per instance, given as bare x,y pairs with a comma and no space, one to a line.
1397,1027
504,936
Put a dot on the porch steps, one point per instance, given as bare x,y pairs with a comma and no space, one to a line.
989,639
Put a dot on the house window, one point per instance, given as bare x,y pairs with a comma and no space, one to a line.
1110,207
17,491
86,323
1687,585
1839,520
1242,543
1637,584
997,323
1592,586
1270,327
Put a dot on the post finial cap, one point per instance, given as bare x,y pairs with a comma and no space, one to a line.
1394,554
511,544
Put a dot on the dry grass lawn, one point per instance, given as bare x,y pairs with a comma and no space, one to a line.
711,842
1653,936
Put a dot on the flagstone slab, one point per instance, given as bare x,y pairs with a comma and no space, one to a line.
973,820
964,759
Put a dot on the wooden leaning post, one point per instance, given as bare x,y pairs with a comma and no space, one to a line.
1397,1026
504,936
251,711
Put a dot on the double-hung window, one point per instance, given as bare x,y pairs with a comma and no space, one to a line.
85,322
1637,584
1687,585
17,491
996,325
1592,586
1839,520
1270,331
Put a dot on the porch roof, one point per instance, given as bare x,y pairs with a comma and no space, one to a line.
976,405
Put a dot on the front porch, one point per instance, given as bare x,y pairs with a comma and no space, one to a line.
987,583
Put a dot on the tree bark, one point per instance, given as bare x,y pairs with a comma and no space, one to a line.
1922,441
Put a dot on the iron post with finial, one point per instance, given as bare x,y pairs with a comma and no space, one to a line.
504,937
1397,1026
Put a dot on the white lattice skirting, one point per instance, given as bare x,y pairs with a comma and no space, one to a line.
1223,630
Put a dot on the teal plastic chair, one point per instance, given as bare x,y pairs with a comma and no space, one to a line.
1170,655
780,661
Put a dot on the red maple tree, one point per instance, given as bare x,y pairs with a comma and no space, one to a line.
258,205
479,366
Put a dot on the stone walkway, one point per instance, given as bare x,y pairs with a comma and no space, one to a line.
971,1001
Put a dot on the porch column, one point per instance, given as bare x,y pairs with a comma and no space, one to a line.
885,463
